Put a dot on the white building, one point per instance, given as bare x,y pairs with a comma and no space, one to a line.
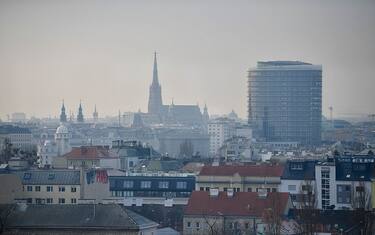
219,130
49,150
19,137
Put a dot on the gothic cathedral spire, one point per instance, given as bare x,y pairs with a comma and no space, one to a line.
63,115
155,103
80,113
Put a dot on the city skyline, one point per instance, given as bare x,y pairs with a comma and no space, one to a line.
103,53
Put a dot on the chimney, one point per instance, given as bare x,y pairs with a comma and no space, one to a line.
214,192
230,192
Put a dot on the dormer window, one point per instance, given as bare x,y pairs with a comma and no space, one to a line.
296,166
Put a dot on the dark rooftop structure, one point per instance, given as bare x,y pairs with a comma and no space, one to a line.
355,168
70,219
299,170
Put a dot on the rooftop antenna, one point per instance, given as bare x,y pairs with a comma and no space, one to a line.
372,117
331,115
119,118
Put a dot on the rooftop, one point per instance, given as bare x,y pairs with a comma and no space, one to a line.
89,153
81,216
51,177
240,204
248,170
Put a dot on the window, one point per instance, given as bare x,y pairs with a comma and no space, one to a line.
163,184
249,189
128,184
73,200
73,189
145,184
29,200
49,188
296,166
197,224
27,176
201,189
49,200
37,188
29,188
61,200
292,187
188,224
274,190
225,189
51,176
181,185
207,188
38,201
61,189
247,226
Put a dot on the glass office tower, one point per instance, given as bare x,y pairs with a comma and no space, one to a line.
285,101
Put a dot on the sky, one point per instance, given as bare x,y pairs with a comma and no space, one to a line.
101,52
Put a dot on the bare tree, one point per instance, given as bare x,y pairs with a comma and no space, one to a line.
5,211
362,208
305,208
273,215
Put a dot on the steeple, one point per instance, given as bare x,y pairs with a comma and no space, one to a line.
80,113
63,115
155,103
95,115
155,78
206,116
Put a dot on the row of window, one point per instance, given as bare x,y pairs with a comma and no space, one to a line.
232,225
148,184
239,190
149,194
38,188
50,200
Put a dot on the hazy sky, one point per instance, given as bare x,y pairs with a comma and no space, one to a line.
102,52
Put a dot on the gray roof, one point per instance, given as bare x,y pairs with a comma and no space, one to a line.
81,216
50,177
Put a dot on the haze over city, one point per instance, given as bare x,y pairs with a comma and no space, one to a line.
101,52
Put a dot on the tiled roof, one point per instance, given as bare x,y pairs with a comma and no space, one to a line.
240,204
49,177
81,216
89,153
248,170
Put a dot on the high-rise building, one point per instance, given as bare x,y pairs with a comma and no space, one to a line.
155,102
285,101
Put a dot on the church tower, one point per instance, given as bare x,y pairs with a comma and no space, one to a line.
80,114
155,103
63,115
95,115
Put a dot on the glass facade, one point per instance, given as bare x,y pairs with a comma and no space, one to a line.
285,101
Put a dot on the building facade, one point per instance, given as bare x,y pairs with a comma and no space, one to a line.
285,101
248,178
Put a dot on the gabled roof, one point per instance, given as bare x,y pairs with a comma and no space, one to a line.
240,204
81,216
247,170
49,177
90,153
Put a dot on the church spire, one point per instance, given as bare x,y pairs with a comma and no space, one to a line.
80,113
63,115
155,103
155,79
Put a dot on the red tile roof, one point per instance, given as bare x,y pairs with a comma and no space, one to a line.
89,153
240,204
248,170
